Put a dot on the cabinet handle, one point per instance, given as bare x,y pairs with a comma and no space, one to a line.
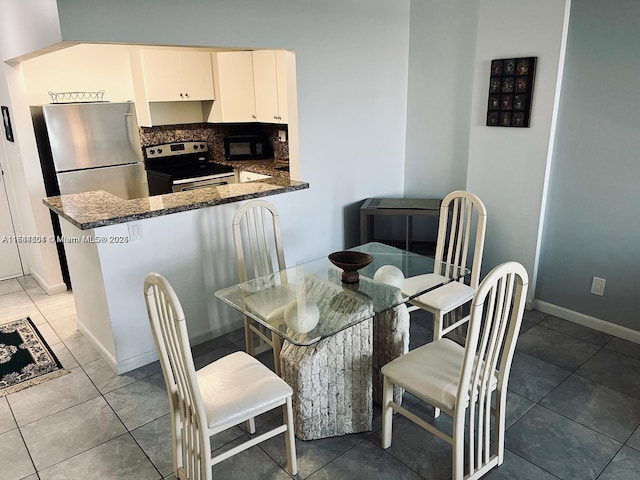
253,116
186,94
181,95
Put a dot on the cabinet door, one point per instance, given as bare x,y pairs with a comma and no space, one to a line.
161,70
284,68
235,81
266,86
196,75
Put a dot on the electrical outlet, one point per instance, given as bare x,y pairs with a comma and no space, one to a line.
282,135
597,286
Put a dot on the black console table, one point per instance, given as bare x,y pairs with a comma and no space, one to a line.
408,207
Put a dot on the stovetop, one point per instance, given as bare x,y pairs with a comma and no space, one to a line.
183,160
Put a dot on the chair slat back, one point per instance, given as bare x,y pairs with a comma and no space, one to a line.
257,240
172,341
496,315
462,224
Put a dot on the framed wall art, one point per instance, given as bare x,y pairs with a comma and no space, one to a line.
510,92
6,121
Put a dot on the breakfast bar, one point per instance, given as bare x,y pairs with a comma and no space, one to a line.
112,243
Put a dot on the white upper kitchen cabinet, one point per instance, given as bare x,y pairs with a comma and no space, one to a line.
252,86
270,83
265,83
175,75
235,91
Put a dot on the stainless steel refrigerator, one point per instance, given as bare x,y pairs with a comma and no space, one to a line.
90,146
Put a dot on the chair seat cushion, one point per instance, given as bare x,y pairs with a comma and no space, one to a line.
270,303
431,372
238,387
419,283
445,298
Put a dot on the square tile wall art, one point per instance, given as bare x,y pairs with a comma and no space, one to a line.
510,92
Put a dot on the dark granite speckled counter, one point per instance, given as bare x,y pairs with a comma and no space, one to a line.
98,209
263,167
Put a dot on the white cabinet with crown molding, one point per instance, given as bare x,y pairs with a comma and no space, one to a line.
252,86
270,84
175,75
233,74
172,86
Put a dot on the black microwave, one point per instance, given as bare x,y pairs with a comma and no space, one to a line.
246,147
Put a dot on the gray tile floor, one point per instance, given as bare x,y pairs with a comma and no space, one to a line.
573,412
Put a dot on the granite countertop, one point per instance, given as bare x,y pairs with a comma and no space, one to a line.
98,209
264,167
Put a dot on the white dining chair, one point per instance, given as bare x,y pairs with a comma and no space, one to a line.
259,251
232,390
461,232
460,380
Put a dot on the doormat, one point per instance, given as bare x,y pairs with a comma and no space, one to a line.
25,357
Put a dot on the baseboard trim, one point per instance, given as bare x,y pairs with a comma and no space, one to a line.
106,354
137,361
122,366
588,321
48,289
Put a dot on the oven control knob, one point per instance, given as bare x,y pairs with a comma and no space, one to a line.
159,150
202,145
195,147
152,151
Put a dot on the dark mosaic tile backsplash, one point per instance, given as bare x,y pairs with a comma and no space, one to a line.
214,135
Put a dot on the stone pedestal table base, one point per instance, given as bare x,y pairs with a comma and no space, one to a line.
331,383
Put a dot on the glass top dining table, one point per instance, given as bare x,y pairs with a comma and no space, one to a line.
308,302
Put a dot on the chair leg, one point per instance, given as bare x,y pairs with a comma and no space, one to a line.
499,419
248,337
290,439
387,413
458,448
250,425
438,319
277,346
176,440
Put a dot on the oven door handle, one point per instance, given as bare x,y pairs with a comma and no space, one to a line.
203,179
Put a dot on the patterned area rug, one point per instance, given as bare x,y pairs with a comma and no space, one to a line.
25,357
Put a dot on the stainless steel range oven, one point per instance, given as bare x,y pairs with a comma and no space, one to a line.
182,166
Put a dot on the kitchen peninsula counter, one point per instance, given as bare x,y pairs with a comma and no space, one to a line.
111,244
98,209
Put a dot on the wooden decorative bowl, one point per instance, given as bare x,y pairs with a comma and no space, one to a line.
350,262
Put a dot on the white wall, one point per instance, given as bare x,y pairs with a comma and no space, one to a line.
592,226
441,55
26,25
26,187
508,167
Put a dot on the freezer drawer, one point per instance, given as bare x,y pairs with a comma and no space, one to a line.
125,181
